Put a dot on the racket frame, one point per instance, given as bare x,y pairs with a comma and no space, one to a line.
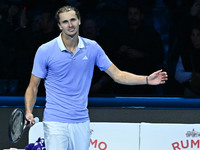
11,124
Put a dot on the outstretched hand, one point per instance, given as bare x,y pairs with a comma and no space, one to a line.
158,77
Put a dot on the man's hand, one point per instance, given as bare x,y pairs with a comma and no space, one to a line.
158,77
29,117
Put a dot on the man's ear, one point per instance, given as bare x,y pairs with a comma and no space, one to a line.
59,26
79,21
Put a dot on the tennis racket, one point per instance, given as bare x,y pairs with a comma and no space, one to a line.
17,125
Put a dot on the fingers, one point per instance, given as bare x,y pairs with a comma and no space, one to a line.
159,71
162,82
164,74
30,119
31,123
158,77
164,78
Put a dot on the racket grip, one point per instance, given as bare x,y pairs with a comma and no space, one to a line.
36,119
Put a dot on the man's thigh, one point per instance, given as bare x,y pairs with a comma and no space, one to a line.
67,136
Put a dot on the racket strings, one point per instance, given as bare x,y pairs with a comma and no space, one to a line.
17,126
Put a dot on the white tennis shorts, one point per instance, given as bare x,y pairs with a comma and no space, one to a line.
67,136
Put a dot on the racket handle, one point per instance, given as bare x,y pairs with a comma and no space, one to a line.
36,119
29,121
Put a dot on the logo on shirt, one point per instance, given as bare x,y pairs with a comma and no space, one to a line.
85,58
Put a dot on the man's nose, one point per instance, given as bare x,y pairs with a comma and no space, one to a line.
70,24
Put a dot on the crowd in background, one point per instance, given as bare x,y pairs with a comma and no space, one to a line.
139,36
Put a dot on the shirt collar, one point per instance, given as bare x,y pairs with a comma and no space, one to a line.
62,46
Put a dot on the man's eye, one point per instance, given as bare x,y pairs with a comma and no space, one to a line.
65,21
73,19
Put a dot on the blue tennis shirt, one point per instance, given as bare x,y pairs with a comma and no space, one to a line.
68,77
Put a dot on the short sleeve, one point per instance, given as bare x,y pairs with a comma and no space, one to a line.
102,60
40,63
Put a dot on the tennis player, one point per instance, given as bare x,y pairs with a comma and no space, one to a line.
66,64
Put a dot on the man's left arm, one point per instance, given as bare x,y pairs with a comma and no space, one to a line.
123,77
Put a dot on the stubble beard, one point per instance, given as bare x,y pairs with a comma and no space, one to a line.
72,35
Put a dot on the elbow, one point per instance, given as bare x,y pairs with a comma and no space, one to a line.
118,78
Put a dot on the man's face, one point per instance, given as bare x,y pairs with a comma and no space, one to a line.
195,37
134,16
69,23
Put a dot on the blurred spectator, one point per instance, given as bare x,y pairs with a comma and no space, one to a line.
25,51
20,37
47,27
188,67
141,50
21,33
41,30
100,82
180,32
90,29
9,26
179,37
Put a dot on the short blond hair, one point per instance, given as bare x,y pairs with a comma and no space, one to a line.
66,9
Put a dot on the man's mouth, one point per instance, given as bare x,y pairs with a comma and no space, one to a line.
71,30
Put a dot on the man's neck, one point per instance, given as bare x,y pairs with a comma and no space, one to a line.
70,42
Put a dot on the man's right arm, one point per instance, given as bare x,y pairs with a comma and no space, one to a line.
30,96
